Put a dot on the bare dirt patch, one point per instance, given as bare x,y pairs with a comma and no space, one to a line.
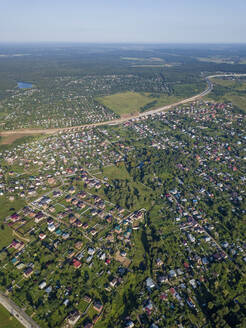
10,139
123,260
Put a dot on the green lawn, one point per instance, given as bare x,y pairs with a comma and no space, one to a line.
7,320
114,172
6,236
82,306
25,228
132,102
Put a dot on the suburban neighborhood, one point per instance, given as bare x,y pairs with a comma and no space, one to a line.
106,213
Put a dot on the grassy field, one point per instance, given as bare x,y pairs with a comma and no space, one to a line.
6,207
7,320
114,172
126,102
6,236
166,100
239,101
233,84
131,102
229,91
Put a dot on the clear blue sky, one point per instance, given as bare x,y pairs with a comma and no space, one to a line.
151,21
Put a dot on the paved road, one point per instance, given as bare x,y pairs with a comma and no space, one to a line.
122,120
17,312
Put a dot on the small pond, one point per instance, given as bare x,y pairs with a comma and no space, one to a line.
24,85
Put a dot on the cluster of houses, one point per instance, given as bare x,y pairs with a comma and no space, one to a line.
71,212
36,107
219,170
51,160
68,218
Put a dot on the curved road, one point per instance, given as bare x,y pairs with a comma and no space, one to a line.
122,120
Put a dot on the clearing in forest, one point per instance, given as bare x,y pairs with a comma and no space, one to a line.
126,102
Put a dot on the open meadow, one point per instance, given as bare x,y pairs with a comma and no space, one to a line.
233,91
125,103
132,102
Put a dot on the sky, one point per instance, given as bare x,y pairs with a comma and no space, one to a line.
123,21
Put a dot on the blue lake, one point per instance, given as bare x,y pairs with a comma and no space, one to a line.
24,85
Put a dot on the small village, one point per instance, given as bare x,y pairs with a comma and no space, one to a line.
67,102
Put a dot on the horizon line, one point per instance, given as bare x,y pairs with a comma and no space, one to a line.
119,43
